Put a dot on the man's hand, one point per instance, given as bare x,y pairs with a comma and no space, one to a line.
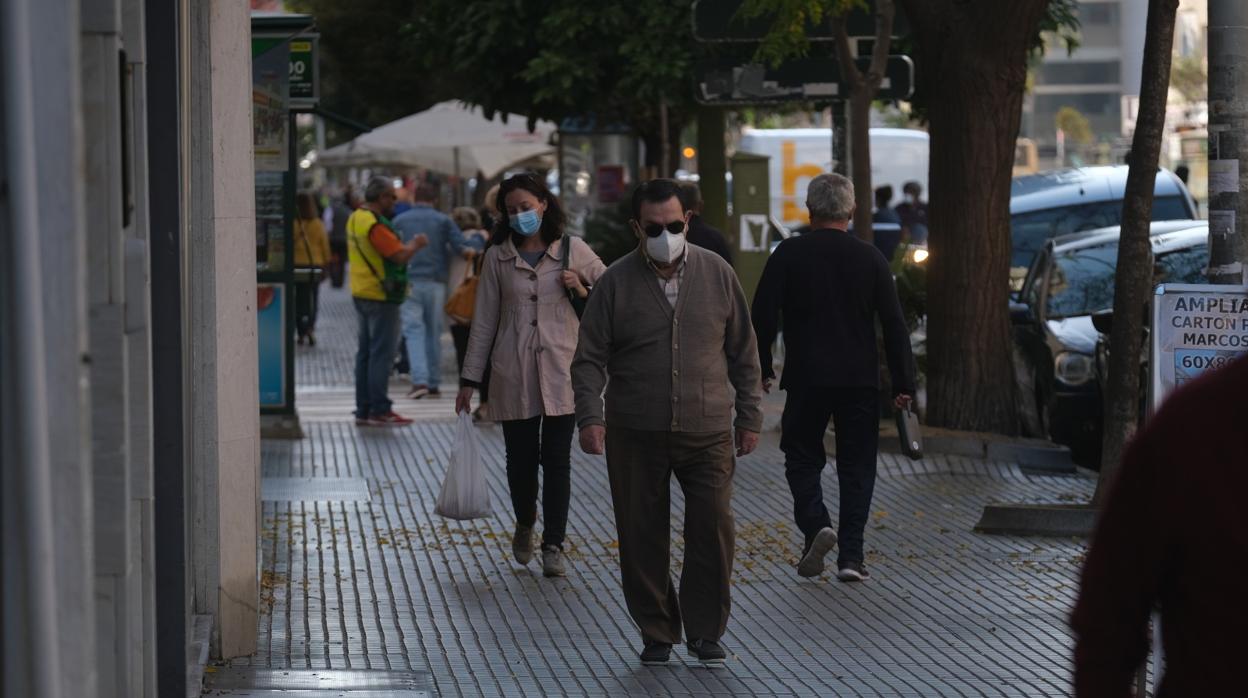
594,439
747,441
463,401
903,400
767,385
468,253
418,243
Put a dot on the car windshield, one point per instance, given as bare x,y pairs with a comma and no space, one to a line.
1029,231
1082,281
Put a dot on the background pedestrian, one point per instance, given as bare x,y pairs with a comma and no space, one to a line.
423,314
311,253
700,232
524,325
378,286
469,221
827,288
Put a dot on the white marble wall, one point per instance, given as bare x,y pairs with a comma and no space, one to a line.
223,363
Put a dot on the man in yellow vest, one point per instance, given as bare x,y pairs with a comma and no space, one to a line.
378,268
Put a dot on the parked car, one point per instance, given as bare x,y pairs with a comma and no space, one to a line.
1061,202
1070,280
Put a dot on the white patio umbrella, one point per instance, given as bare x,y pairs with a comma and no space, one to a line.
451,138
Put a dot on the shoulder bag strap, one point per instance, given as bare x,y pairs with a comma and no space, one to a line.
356,240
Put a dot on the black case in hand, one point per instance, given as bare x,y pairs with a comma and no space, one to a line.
909,432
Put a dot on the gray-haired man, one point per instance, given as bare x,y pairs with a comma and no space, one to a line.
829,287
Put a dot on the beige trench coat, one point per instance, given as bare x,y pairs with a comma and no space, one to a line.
523,314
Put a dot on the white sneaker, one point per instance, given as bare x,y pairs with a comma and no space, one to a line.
811,564
853,572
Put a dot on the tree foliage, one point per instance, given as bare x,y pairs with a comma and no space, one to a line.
1189,78
370,68
551,59
1074,124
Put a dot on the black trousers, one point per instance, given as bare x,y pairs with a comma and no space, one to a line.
855,415
307,295
459,334
544,442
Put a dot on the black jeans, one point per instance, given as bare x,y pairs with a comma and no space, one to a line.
854,412
306,302
544,441
459,334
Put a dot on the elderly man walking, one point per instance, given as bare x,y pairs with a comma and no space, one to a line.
827,288
667,335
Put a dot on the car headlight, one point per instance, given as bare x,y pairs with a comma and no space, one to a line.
1074,369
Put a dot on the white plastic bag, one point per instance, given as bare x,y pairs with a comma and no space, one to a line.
465,494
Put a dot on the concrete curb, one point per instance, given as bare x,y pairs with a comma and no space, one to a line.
1038,520
1033,454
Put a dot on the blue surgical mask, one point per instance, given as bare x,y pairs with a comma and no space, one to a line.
526,222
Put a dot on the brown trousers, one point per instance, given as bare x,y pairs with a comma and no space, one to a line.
640,465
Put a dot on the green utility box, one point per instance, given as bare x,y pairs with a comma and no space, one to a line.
749,226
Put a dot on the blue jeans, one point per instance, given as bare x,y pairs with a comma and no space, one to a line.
422,328
378,341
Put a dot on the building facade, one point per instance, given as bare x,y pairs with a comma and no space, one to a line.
128,426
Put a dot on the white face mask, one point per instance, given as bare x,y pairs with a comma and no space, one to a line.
666,248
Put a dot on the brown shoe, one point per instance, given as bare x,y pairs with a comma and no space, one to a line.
522,544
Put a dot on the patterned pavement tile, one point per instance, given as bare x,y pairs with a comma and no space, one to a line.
382,583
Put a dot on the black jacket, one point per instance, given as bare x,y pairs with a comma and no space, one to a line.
827,287
708,238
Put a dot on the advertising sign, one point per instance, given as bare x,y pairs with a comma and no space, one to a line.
270,331
269,90
303,71
1195,328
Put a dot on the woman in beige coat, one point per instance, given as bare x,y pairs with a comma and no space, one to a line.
525,316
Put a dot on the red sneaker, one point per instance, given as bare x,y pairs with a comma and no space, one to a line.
391,419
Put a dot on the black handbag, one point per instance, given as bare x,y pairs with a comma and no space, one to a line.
578,303
910,433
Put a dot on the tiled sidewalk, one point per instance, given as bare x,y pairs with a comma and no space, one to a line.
359,573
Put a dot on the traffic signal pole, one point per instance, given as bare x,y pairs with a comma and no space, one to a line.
1228,141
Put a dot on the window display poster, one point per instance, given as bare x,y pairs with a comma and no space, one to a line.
271,335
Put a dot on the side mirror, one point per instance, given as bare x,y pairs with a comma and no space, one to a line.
1020,313
1103,321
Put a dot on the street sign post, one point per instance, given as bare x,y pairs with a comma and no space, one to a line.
727,81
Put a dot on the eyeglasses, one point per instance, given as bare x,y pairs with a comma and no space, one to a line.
656,229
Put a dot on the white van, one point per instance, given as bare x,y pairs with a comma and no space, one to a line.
799,154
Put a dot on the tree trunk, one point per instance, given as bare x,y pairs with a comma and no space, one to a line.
972,58
862,89
860,145
1134,274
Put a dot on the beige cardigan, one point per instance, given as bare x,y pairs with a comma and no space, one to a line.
669,370
524,325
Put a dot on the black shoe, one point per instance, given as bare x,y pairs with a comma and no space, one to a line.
853,572
811,564
708,653
656,653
